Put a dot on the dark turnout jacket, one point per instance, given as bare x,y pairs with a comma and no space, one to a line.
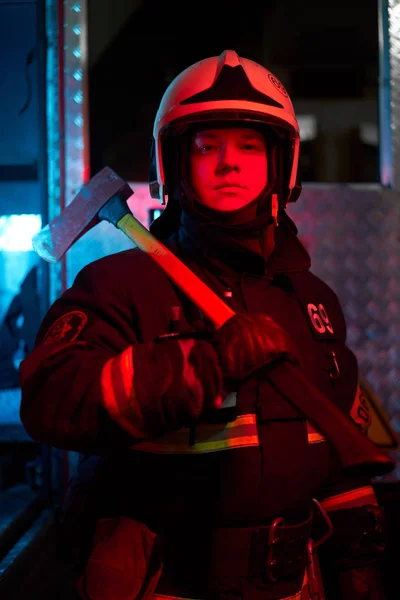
254,461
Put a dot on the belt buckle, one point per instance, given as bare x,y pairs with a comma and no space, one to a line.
313,573
327,521
271,562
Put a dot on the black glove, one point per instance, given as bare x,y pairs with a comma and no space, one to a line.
174,382
359,537
247,342
352,558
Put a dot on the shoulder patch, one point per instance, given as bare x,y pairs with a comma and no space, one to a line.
66,328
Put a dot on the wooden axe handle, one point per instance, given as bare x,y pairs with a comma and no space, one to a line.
355,450
208,301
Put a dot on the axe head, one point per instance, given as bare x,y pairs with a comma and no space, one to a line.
53,241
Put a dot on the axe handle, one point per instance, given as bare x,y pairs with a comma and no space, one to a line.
355,450
209,303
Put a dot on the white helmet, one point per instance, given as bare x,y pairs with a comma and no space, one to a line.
221,88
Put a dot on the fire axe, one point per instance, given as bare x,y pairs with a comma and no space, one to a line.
104,197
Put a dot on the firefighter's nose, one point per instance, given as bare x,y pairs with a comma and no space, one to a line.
228,159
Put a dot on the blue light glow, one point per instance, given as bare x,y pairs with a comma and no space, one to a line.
77,52
78,75
17,231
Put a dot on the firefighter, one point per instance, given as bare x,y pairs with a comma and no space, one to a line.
197,477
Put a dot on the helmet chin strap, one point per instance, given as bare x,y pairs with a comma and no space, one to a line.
275,209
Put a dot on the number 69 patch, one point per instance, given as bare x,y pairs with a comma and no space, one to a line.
321,325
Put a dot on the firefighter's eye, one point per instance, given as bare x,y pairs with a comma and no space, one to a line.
205,148
253,147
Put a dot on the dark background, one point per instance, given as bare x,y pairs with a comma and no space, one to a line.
325,53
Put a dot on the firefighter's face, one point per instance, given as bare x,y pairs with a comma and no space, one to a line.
228,166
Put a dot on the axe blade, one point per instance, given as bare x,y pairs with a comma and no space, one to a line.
53,241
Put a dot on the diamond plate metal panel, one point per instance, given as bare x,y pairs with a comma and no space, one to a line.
394,50
353,237
352,234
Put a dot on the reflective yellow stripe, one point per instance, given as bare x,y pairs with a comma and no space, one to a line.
117,382
351,499
126,369
107,388
210,437
314,437
118,393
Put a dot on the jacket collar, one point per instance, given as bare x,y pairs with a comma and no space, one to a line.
227,253
289,255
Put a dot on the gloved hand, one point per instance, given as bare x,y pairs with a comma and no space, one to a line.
174,382
247,342
353,558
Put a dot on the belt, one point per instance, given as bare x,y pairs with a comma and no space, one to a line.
301,595
275,552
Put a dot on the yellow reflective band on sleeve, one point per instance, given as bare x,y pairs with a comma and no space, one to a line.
118,393
210,437
314,437
351,499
